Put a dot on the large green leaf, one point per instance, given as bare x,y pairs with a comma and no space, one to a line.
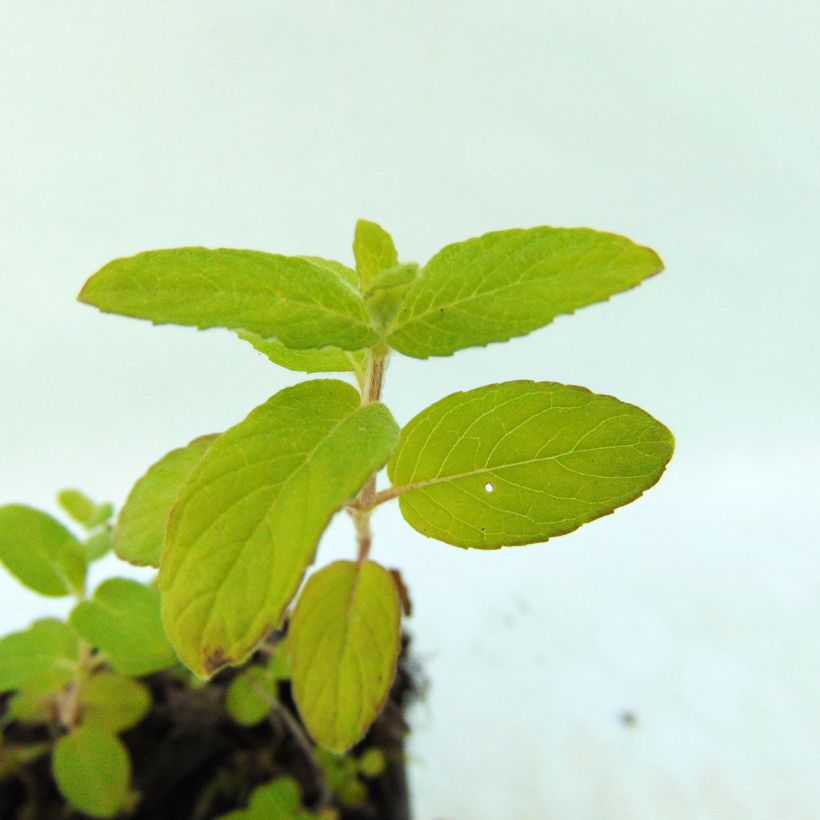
47,647
33,547
246,524
302,301
123,620
324,360
508,283
521,462
140,530
344,642
92,769
113,702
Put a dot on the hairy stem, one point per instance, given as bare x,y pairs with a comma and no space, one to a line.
371,391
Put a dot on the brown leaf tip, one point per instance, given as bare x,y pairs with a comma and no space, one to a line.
215,660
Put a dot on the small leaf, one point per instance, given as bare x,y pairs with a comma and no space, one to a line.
344,644
113,702
508,283
325,360
278,800
278,666
46,646
74,566
246,524
521,462
31,546
92,769
37,701
374,251
123,621
83,510
388,292
372,763
251,695
140,530
302,301
99,543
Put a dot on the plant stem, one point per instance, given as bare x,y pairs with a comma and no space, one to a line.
371,391
69,709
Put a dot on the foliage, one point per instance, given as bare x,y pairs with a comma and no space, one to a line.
233,520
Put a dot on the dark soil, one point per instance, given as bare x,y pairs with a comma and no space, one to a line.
191,761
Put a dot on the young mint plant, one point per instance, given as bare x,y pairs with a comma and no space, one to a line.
233,521
74,677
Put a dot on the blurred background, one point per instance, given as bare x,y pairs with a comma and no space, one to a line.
658,663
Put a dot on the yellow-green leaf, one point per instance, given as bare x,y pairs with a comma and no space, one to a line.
31,547
324,360
46,646
113,702
302,301
508,283
246,524
344,642
92,769
521,462
374,251
83,510
123,621
140,530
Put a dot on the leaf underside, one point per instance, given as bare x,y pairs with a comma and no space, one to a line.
508,283
324,360
521,462
140,530
246,524
343,644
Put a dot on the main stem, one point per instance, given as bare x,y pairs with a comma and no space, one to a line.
371,390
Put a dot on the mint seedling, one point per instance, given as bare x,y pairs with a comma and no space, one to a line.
233,521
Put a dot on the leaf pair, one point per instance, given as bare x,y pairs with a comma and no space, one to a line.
309,314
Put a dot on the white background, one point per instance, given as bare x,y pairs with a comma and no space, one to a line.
690,126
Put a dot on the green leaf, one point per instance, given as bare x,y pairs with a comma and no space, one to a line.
37,701
140,530
31,547
280,799
372,763
302,301
508,283
113,702
325,360
83,510
45,646
523,461
251,695
374,251
99,543
123,621
344,643
246,524
92,769
74,566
